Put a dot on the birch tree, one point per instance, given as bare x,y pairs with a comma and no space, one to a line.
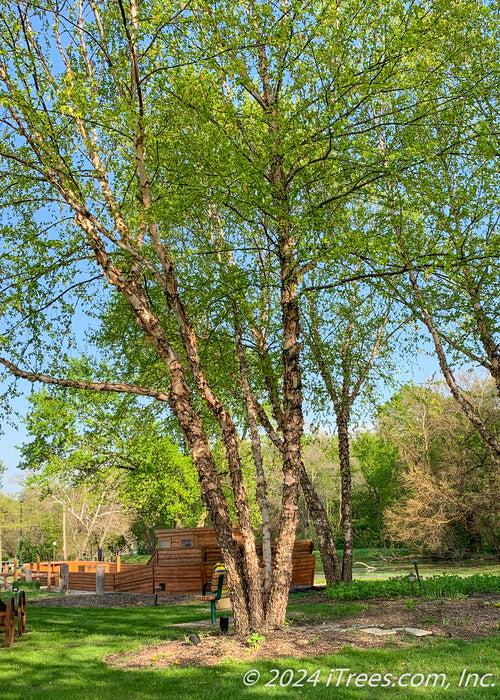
347,345
121,123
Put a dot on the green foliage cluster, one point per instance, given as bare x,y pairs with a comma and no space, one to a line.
27,585
304,611
255,640
377,487
441,586
451,586
390,588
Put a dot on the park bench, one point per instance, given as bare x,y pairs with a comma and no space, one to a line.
8,613
218,590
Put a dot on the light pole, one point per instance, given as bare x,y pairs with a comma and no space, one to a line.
21,501
54,550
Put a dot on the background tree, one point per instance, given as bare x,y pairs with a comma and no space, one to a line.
103,439
448,476
378,486
9,527
91,516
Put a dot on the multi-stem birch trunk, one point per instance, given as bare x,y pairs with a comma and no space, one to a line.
316,509
109,229
261,488
268,100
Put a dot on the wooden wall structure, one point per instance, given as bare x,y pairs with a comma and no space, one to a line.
196,551
184,565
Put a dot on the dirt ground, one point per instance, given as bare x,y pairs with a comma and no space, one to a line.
468,618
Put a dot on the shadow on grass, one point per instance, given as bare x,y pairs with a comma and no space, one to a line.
132,622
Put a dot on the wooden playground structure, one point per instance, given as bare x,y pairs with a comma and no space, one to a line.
182,563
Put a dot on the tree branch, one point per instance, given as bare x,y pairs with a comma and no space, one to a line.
117,387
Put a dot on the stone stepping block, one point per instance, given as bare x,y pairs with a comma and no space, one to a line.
381,632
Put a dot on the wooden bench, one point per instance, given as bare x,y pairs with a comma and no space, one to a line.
217,591
8,613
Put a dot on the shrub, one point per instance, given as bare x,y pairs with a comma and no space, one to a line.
27,585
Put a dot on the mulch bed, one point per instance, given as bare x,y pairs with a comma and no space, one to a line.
468,618
465,618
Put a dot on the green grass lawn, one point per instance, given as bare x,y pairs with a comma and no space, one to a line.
62,658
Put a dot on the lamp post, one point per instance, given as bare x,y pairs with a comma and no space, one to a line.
54,550
21,501
411,579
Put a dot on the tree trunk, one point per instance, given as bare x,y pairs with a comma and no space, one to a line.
261,488
468,409
316,509
215,502
65,549
495,541
230,440
342,419
324,536
293,424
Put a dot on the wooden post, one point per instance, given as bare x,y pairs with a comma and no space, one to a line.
38,563
118,564
10,621
99,580
64,578
49,575
15,569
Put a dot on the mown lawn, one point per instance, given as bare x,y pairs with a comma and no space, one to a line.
62,658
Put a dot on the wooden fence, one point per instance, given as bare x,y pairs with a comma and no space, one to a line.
168,571
173,579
